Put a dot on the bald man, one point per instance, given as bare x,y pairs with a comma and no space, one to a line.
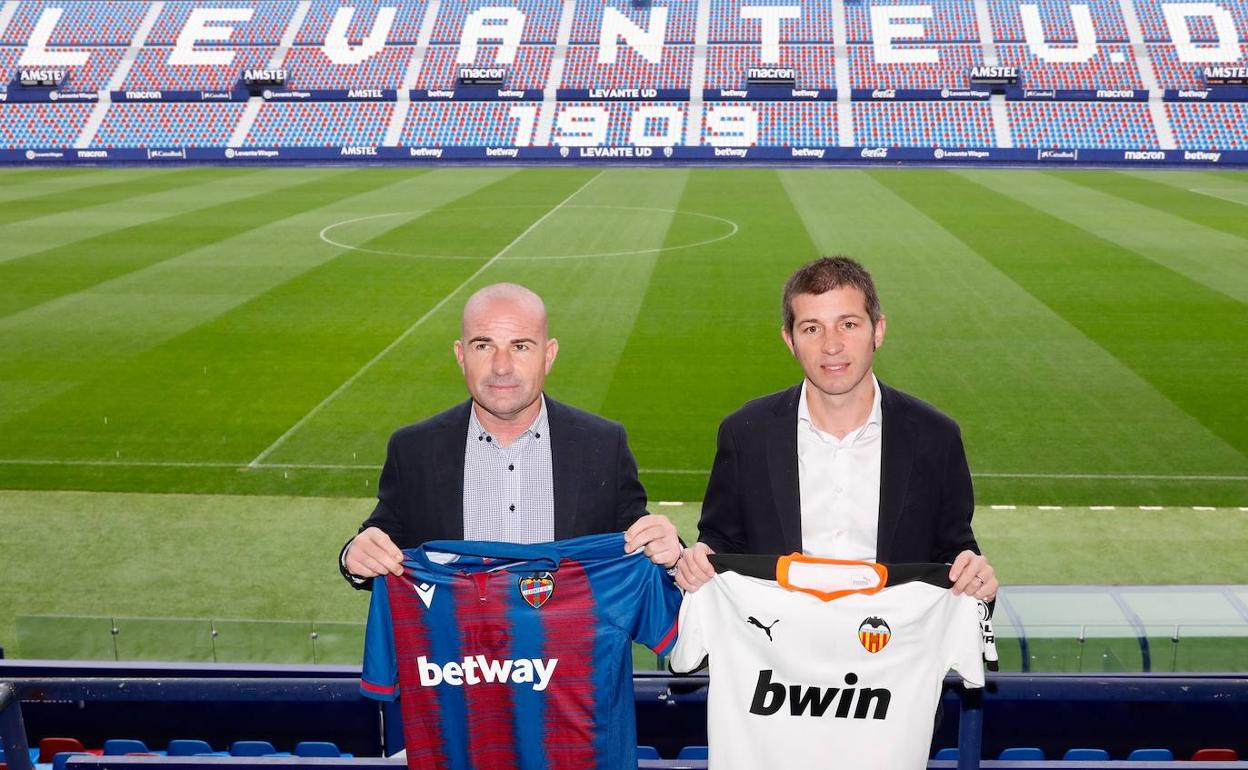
509,464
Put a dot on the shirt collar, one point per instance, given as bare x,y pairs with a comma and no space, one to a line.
876,417
538,428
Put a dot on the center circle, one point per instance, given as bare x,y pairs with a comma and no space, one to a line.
730,229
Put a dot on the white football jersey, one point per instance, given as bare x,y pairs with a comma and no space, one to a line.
827,666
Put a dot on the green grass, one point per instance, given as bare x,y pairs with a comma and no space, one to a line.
187,331
162,329
239,558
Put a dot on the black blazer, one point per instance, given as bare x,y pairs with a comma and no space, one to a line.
752,502
420,495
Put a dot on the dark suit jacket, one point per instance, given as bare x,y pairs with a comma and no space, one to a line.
752,502
420,495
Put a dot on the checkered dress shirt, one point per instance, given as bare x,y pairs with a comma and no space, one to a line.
509,492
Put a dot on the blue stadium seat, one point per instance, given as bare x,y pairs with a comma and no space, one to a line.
1022,752
251,749
1086,755
189,747
1151,755
116,747
316,749
946,753
62,757
694,752
648,752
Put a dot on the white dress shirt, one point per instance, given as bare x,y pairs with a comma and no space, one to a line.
839,482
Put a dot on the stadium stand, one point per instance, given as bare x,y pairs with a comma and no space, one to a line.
787,124
1156,28
1113,67
665,67
320,124
153,71
250,23
541,19
310,67
1057,20
814,25
91,76
403,31
98,23
951,21
1091,104
950,69
620,119
677,17
530,68
1216,126
923,124
167,124
41,125
815,65
431,124
1082,125
1173,72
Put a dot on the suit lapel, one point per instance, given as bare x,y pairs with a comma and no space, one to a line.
448,443
782,469
566,462
896,461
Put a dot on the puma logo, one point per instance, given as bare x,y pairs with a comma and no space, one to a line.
753,621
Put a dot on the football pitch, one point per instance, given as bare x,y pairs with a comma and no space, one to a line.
241,335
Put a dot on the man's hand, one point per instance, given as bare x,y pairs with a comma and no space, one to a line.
657,536
373,553
694,568
972,574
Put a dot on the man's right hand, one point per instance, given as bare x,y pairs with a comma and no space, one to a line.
693,569
373,553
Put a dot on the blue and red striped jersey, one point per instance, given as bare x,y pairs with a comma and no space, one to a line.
517,656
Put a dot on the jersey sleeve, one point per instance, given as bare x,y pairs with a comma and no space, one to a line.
647,603
965,643
693,642
380,676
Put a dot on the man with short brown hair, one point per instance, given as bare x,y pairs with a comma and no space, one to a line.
840,466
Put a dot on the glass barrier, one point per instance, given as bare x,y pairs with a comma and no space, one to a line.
1056,648
200,640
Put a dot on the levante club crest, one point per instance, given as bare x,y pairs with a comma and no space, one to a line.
536,589
874,633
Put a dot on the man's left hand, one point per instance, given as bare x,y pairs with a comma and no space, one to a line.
972,574
657,536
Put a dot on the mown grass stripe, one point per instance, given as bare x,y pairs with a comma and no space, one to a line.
230,387
1204,210
21,176
1220,263
347,383
1186,340
418,376
77,266
88,335
57,201
706,337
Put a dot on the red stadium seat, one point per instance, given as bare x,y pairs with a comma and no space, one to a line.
1216,755
50,747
